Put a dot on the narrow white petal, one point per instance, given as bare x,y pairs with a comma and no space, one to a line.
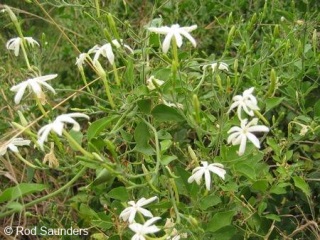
46,77
166,42
190,29
35,87
13,148
254,140
258,128
151,221
132,215
235,129
47,86
243,145
160,30
233,105
217,170
110,55
20,92
147,201
178,39
207,179
145,212
20,142
189,37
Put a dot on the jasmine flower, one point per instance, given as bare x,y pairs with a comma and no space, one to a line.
239,135
175,31
246,101
106,50
143,229
57,126
205,170
34,84
15,43
12,145
129,213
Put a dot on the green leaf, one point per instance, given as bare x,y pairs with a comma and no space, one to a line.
273,217
165,160
16,206
225,233
279,189
98,126
104,221
20,190
77,136
317,109
302,185
142,137
272,102
164,113
144,105
209,201
119,193
260,185
165,144
220,220
103,177
246,169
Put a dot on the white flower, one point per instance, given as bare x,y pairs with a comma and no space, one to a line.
57,126
142,230
205,170
174,31
106,51
12,145
221,66
129,213
239,135
152,82
14,44
246,101
81,59
33,84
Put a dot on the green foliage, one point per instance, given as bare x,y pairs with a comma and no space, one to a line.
151,140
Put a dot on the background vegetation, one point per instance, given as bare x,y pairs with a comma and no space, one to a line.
149,149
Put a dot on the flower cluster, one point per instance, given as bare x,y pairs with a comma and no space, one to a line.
129,214
239,135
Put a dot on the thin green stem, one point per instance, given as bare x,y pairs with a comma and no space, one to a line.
116,75
77,145
46,197
23,43
261,117
107,88
26,162
44,113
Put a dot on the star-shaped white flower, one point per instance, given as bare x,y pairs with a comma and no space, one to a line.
129,213
205,170
143,229
214,66
175,31
12,145
106,50
57,126
239,135
34,84
15,43
246,101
